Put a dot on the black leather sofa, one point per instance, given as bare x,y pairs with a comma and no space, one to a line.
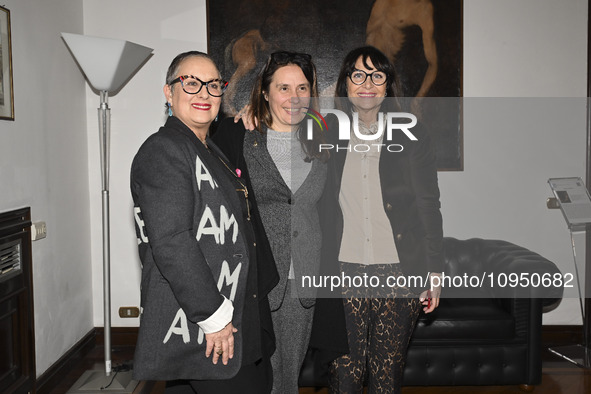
489,335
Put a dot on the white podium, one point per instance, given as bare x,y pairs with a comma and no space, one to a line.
575,204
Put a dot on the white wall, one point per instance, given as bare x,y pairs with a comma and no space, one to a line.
526,48
43,164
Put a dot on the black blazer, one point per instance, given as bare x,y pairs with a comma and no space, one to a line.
232,149
181,192
410,196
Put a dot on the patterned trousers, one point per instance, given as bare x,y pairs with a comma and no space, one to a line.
378,330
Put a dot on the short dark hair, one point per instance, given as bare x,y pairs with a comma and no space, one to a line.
380,63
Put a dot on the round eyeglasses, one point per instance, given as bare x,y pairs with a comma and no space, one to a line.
193,85
358,77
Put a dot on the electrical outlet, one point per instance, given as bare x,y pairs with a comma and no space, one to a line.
129,311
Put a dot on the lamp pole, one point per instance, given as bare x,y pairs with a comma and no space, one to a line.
104,115
107,64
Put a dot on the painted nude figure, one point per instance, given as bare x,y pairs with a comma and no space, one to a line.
385,31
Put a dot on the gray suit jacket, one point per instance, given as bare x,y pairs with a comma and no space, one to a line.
290,220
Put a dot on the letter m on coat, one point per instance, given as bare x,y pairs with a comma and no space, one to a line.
229,278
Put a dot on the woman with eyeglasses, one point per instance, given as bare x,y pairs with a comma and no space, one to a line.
287,173
205,275
382,221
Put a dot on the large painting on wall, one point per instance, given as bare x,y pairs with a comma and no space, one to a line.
423,38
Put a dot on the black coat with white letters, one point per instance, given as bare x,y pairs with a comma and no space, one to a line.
196,248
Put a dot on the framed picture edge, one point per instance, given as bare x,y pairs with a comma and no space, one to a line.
9,90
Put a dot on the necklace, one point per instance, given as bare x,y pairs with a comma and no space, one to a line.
244,189
236,176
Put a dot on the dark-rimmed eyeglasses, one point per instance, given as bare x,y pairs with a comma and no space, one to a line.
358,77
192,85
284,57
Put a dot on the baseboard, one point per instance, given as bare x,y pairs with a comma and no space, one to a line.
562,335
120,336
54,374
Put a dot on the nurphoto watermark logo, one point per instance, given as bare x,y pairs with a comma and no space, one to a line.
388,123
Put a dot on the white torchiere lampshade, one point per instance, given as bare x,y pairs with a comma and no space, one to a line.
107,63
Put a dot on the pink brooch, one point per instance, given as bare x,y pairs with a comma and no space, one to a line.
238,172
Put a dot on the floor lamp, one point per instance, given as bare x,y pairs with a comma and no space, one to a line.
107,65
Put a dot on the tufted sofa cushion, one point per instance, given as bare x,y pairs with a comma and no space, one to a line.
464,320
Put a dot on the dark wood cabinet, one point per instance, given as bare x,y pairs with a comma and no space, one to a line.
17,336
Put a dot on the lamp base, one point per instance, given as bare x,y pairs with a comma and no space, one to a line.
577,354
96,381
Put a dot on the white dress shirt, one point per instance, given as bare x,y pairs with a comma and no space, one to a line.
367,233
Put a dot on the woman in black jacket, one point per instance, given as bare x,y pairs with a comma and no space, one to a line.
206,265
382,220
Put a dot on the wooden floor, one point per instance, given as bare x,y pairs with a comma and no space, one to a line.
558,377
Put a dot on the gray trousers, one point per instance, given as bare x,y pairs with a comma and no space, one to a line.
292,324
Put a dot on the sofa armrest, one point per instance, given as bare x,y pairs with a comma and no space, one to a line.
499,269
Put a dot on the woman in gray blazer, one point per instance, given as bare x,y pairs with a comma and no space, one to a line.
204,278
287,174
